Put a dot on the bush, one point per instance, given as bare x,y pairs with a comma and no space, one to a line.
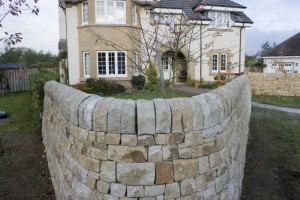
213,85
152,78
138,81
89,82
106,87
189,81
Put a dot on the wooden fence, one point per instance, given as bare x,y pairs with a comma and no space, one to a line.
16,80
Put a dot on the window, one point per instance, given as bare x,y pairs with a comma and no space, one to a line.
219,19
86,64
85,16
110,12
133,14
163,19
167,62
223,62
219,60
111,64
135,63
215,62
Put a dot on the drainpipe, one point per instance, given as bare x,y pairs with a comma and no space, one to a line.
240,56
201,49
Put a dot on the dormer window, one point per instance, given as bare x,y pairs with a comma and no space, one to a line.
110,12
219,19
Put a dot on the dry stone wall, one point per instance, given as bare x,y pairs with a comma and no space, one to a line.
275,84
181,148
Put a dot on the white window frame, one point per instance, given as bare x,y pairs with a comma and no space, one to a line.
219,19
218,61
222,62
115,62
167,62
85,12
116,16
86,64
215,62
135,63
133,14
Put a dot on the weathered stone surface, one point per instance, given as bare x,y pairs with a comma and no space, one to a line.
200,183
129,140
128,116
184,169
145,140
155,154
215,159
135,191
192,139
224,155
164,173
185,153
114,116
91,164
96,195
100,114
155,190
92,179
176,116
86,110
81,190
127,154
198,118
188,186
79,172
117,190
172,190
203,165
108,171
187,115
103,187
208,117
99,153
203,150
209,193
109,197
100,137
212,132
136,173
162,116
145,117
170,153
91,137
161,139
175,138
112,139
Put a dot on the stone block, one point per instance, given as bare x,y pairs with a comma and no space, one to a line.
203,150
136,173
91,164
162,116
103,187
185,153
215,159
112,139
208,117
155,154
145,140
92,179
100,114
99,153
145,117
198,118
187,115
175,138
109,197
161,139
128,117
108,171
200,183
203,165
127,154
81,191
129,140
155,190
114,116
212,132
86,110
176,116
172,190
100,137
184,169
170,153
192,139
135,191
96,195
209,193
117,190
188,186
164,173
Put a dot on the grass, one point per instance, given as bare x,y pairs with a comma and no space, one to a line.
290,101
170,93
18,108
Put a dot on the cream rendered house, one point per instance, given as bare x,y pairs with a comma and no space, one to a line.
118,38
285,57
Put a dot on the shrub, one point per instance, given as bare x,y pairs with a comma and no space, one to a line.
89,82
208,85
152,78
189,80
138,81
106,87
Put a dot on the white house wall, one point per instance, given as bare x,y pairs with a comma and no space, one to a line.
273,69
62,24
73,45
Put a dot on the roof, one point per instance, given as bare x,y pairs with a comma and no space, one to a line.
290,47
12,66
188,7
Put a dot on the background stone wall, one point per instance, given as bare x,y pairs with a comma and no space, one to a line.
275,84
181,148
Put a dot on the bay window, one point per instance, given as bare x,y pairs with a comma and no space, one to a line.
219,19
86,64
111,64
110,12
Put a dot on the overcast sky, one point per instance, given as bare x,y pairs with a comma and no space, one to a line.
274,21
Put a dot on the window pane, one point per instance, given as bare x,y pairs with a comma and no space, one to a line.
120,12
121,63
133,14
215,62
110,11
86,63
100,11
85,12
219,19
111,63
101,63
223,61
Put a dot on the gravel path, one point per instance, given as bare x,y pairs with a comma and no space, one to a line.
285,109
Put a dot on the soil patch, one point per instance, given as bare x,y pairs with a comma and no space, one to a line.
24,171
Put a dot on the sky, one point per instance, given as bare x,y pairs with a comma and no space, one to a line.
274,21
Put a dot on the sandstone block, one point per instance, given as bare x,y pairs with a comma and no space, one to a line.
135,191
117,190
109,197
86,110
91,164
145,117
103,187
215,159
203,150
100,137
128,116
161,139
200,183
192,139
164,173
175,138
127,154
184,169
185,153
155,154
100,114
187,115
212,132
92,179
136,173
172,190
99,153
188,186
96,195
162,116
170,153
203,165
145,140
108,171
81,191
112,139
92,137
129,140
155,190
176,116
198,118
208,117
79,172
114,116
209,193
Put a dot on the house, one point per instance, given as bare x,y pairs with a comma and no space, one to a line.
116,39
285,57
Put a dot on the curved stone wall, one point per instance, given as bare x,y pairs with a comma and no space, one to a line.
181,148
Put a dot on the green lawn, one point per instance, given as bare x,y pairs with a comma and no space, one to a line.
292,101
170,93
17,106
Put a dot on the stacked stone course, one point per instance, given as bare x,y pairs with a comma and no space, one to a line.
181,148
279,84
